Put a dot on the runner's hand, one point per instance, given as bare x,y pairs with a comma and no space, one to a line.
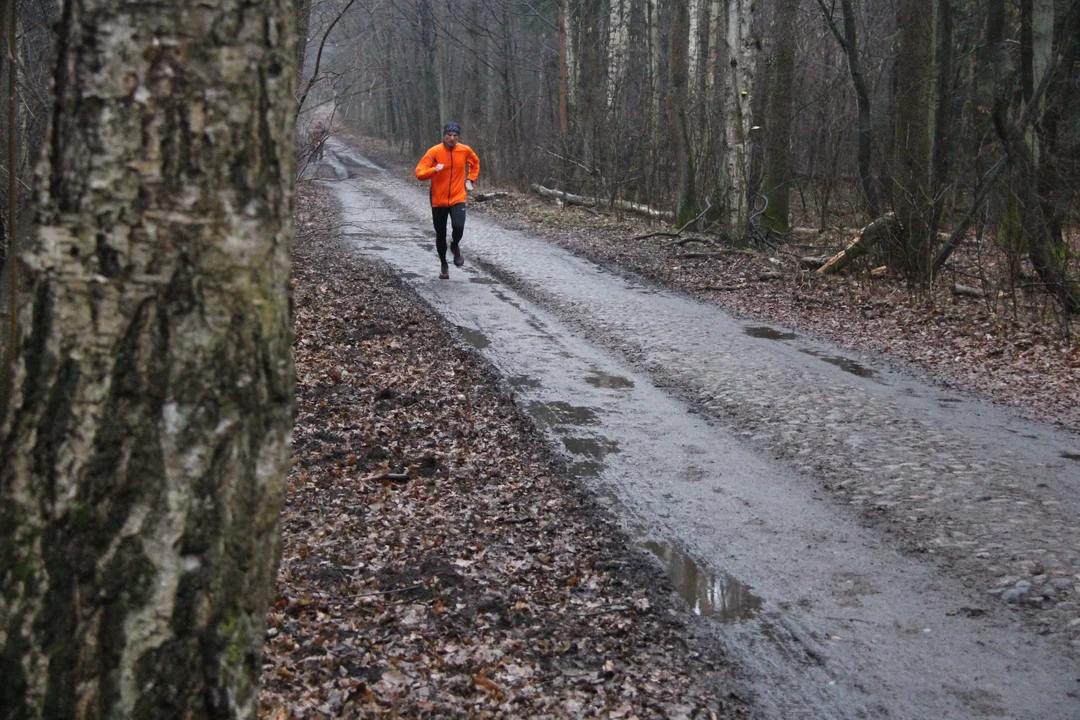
468,185
438,167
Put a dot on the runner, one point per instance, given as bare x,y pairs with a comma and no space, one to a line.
452,167
317,139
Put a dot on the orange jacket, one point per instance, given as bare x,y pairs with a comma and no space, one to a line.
448,185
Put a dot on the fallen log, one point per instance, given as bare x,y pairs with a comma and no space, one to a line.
770,275
571,199
967,291
493,195
866,239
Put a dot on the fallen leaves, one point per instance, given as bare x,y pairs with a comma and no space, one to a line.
435,562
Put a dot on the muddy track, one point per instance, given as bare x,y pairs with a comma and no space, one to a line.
862,543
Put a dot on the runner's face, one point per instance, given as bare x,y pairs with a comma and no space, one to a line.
450,139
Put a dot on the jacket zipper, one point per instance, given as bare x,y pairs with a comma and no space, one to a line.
450,184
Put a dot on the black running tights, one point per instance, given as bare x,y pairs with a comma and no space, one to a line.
456,213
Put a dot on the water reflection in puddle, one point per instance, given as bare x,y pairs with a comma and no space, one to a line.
484,281
612,382
376,247
474,337
845,364
709,595
595,448
768,333
562,413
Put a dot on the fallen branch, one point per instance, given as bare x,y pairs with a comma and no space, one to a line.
684,241
723,288
393,477
571,199
866,239
493,195
967,291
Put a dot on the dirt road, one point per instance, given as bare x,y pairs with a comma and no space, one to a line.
862,545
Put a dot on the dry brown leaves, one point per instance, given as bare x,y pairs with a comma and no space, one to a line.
436,564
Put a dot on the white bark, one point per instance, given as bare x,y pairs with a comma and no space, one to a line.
739,71
144,432
618,44
693,48
654,60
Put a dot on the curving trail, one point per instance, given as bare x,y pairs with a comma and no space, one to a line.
862,545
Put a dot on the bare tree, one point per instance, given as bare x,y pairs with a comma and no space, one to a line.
778,120
912,196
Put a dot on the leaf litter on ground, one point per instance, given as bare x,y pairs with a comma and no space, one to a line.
437,561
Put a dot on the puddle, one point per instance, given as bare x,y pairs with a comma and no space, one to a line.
1070,455
595,448
845,364
376,247
586,469
484,281
410,275
768,333
524,381
562,413
719,596
474,337
612,382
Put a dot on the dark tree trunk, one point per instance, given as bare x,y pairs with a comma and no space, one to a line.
678,114
778,119
912,196
943,111
862,100
144,431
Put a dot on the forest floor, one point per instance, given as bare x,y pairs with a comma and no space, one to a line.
1013,346
437,562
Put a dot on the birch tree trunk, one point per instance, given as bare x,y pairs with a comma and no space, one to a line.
655,80
742,57
144,432
618,45
912,197
693,49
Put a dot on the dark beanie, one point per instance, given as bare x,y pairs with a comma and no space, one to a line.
451,127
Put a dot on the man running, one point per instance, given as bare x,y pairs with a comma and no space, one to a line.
445,165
